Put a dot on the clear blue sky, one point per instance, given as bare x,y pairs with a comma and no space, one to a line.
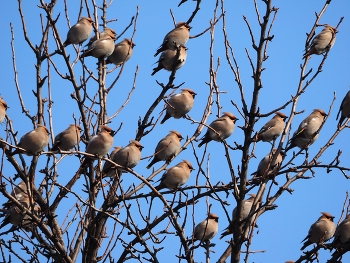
280,231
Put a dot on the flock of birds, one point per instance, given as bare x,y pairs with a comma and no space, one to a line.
178,105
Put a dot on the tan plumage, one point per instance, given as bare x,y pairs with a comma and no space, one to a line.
246,207
320,231
3,108
67,139
342,233
105,32
176,176
122,52
102,47
81,31
179,104
167,60
206,229
273,128
344,109
265,167
108,165
167,148
224,125
127,157
322,42
175,38
34,141
306,133
99,145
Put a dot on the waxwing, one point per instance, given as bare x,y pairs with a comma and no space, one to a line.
81,31
273,128
166,60
167,148
176,176
224,126
3,108
175,38
307,130
122,52
322,42
67,139
102,47
344,109
320,231
206,229
34,141
179,104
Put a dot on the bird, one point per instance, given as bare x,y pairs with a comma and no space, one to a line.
127,157
3,108
273,128
99,145
206,229
342,233
105,32
33,142
306,134
122,52
246,207
344,109
320,231
81,31
167,60
175,38
179,104
107,164
102,47
176,176
224,126
166,148
67,139
27,223
322,42
265,167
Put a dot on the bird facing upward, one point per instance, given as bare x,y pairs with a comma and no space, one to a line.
206,229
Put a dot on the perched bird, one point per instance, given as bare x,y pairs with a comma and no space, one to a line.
224,126
342,233
3,108
27,223
179,104
167,60
320,231
108,165
175,38
206,229
102,47
246,207
322,42
67,139
166,148
344,109
33,142
98,145
106,31
307,130
265,167
127,157
81,31
176,176
272,129
122,52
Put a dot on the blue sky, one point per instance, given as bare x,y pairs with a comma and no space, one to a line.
281,230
